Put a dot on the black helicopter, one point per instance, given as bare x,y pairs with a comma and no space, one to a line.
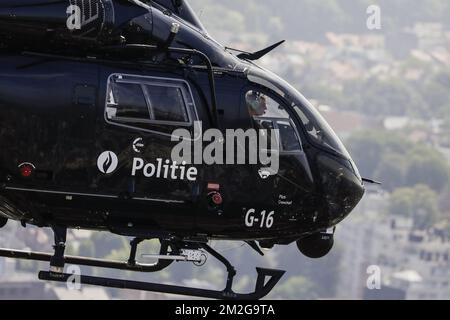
91,92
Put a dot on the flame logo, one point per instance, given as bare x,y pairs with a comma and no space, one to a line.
107,162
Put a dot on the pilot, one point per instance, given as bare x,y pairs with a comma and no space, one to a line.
256,104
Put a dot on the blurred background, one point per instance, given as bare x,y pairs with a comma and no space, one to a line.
386,92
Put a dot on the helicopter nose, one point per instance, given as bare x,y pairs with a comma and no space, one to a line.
342,186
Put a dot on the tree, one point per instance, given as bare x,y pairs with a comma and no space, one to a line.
444,200
397,162
419,203
445,130
370,148
390,97
366,149
436,94
427,166
391,171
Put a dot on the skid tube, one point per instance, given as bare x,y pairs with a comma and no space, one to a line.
262,288
267,278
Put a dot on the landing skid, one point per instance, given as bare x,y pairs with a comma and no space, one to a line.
267,278
262,289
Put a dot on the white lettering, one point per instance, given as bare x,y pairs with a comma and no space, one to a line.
236,147
138,164
374,279
74,19
149,170
74,280
374,20
192,311
164,169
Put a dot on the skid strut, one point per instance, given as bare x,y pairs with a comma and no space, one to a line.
267,278
57,260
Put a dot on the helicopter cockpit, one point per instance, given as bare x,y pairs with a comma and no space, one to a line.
318,132
307,144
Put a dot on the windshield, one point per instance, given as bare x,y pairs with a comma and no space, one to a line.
319,131
318,128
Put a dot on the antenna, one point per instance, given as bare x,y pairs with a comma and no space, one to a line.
259,54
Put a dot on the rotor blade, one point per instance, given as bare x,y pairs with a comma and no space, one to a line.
259,54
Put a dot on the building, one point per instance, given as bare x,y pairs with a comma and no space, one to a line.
414,264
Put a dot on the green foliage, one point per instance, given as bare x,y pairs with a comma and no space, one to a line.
323,93
419,202
369,147
444,201
428,167
392,170
391,97
445,130
436,93
396,162
380,98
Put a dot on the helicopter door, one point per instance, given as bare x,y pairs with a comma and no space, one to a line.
77,136
140,115
293,180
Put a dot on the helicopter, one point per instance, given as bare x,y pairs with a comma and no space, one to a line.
92,93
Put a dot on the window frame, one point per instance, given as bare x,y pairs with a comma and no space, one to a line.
296,132
128,119
278,135
144,81
275,120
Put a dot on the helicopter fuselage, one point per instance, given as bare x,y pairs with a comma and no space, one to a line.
88,118
55,129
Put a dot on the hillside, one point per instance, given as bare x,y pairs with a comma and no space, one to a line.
310,19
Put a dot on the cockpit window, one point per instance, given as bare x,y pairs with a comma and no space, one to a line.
260,105
318,129
268,114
